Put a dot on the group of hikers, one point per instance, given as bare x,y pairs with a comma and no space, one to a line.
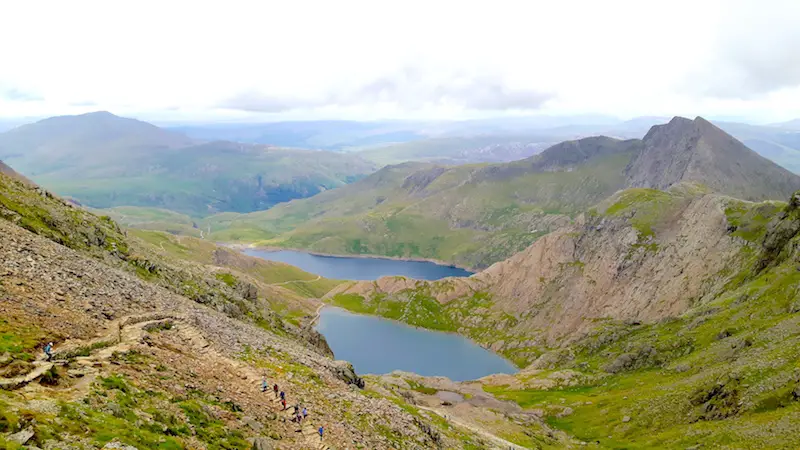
298,415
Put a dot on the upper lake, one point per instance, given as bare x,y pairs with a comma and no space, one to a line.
352,268
379,346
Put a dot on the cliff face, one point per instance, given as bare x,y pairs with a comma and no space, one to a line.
603,267
686,150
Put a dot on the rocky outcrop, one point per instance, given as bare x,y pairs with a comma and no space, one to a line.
316,340
696,150
345,372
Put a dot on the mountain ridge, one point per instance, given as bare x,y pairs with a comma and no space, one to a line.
505,206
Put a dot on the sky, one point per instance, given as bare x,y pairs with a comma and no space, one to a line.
421,60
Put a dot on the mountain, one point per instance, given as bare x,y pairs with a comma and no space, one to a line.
163,342
476,215
658,319
469,215
464,146
793,124
686,150
103,161
88,139
474,141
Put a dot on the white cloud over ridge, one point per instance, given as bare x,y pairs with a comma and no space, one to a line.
411,59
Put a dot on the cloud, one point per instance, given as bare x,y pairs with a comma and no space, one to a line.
754,52
416,59
408,88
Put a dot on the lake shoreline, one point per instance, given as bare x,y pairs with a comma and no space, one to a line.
495,364
267,248
315,321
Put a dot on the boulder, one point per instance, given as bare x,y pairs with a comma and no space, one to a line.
119,446
21,437
261,443
345,372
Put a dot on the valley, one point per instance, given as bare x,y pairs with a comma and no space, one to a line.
400,226
628,293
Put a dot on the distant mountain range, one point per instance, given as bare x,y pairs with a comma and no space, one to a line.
104,160
486,140
479,214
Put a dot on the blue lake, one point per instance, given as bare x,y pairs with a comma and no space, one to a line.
380,346
348,268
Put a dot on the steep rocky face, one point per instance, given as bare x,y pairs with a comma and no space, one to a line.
695,150
603,267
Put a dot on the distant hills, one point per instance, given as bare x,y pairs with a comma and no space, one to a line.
475,215
104,160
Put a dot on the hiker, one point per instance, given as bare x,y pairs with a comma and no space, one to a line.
283,395
48,351
305,412
321,430
275,389
283,403
264,385
296,408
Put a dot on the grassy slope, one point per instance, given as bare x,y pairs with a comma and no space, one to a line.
268,272
184,265
466,215
156,219
723,374
143,401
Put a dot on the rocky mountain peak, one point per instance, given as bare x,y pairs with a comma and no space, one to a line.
698,151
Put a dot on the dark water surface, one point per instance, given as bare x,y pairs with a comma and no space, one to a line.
380,346
348,268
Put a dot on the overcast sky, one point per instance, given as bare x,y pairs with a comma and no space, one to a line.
237,60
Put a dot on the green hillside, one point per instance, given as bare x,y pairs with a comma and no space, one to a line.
104,161
471,215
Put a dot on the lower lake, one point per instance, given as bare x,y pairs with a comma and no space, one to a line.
350,268
379,346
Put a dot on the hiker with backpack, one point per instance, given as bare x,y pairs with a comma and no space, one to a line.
48,351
